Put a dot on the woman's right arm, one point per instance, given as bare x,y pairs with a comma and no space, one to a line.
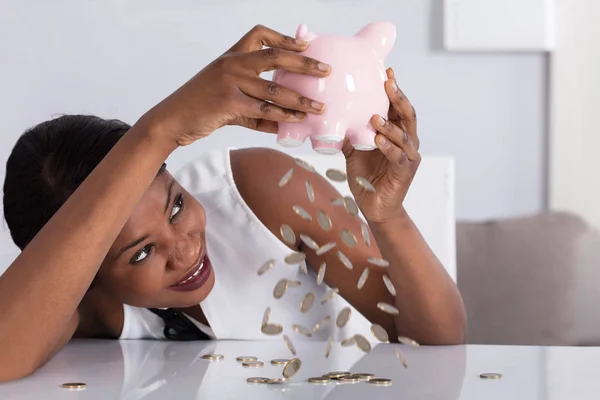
42,289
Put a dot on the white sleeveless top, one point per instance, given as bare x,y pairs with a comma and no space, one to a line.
238,244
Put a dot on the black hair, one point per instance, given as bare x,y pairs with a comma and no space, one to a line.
48,163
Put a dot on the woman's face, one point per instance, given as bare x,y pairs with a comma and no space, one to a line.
159,258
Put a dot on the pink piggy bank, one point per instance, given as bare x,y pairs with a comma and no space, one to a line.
352,92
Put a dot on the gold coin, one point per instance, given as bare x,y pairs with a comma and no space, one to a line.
319,325
309,242
387,308
348,238
307,302
324,220
343,317
336,175
291,368
286,178
253,364
280,289
212,357
246,358
325,248
364,376
295,258
302,330
321,274
329,347
279,361
330,295
289,344
380,262
338,202
256,379
345,260
364,182
401,357
364,230
490,376
74,386
363,279
301,211
266,266
379,333
303,268
271,329
350,205
266,316
380,382
276,381
349,379
408,341
310,191
362,343
305,165
348,342
389,285
319,380
287,234
294,284
336,374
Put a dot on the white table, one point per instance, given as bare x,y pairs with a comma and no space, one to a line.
166,370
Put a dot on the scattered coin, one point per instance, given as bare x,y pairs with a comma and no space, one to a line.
253,364
380,382
302,330
364,182
291,368
303,268
266,266
389,285
305,165
289,344
294,284
338,202
336,175
319,325
325,248
343,317
364,230
329,347
307,302
321,274
256,379
319,380
379,333
349,379
401,357
74,386
336,374
345,260
246,358
330,295
266,316
302,212
212,357
387,308
280,289
350,205
287,234
277,381
408,341
324,220
295,258
309,242
348,238
362,343
310,191
348,342
286,178
363,278
279,361
364,376
271,329
380,262
490,376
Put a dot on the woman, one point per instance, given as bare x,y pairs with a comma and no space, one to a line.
107,232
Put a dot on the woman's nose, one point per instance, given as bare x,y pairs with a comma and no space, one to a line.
186,251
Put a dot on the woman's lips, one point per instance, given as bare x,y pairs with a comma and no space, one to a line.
196,278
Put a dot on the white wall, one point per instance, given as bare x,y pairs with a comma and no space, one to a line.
117,58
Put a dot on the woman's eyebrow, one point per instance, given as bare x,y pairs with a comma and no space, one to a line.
169,192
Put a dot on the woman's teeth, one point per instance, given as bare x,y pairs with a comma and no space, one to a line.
195,274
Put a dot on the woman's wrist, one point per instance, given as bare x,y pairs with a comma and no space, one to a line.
393,224
157,136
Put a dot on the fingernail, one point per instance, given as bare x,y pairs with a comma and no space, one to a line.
299,114
316,105
323,67
381,120
383,141
301,42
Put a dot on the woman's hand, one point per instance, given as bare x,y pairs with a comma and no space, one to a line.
229,91
390,168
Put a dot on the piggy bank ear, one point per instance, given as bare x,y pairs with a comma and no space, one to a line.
381,36
303,34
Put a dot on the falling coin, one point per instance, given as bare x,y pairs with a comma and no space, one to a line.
280,289
362,343
348,342
286,178
246,358
401,358
364,376
363,279
364,182
302,212
309,242
291,368
303,268
74,386
307,302
364,230
324,220
310,191
319,380
266,266
349,379
379,333
253,364
294,284
336,175
279,361
289,344
287,234
408,341
380,382
295,258
348,238
387,308
338,202
266,316
321,274
380,262
305,165
389,285
212,357
319,325
330,295
301,330
345,260
350,205
255,379
343,317
329,347
325,248
271,329
490,376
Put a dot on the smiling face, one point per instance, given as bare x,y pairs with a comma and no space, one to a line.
159,258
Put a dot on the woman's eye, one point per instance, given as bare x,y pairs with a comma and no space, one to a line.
177,206
142,254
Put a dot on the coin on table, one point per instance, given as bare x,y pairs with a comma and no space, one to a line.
380,382
379,333
329,347
212,357
362,343
364,230
325,248
389,285
364,182
348,342
301,211
246,358
330,295
280,288
309,242
310,192
490,376
319,325
321,274
408,341
349,379
302,330
256,379
74,386
343,317
271,329
345,260
387,308
287,234
401,358
266,266
289,344
291,368
363,279
266,316
295,258
324,220
348,238
286,178
338,202
279,361
350,205
336,374
364,376
380,262
307,302
319,380
294,284
253,364
305,165
277,381
336,175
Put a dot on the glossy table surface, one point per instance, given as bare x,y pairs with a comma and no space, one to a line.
164,370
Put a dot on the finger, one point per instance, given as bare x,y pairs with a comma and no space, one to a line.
261,125
396,136
393,153
275,58
402,112
260,109
260,36
266,90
